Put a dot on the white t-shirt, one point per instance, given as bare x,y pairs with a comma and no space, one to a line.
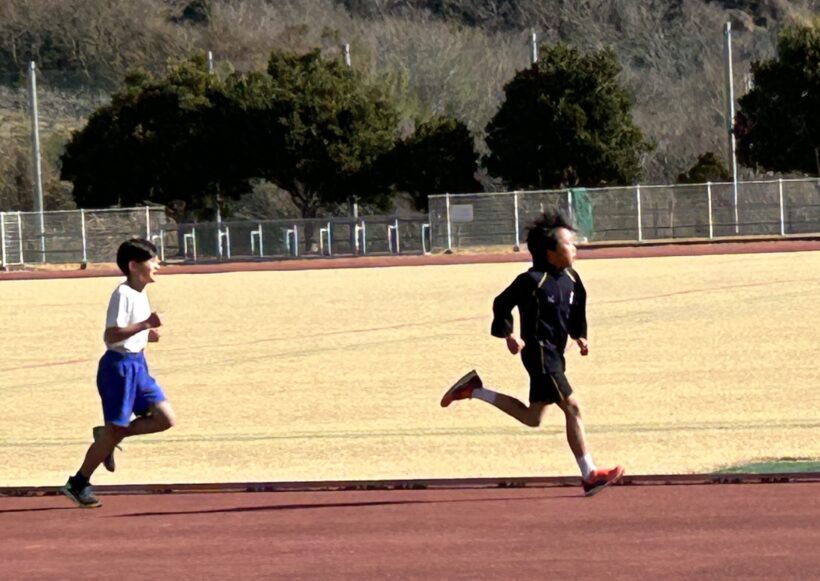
126,307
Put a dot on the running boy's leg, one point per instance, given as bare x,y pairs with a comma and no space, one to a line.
102,447
576,437
529,415
160,418
471,387
593,479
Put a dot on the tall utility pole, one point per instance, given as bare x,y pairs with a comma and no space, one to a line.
218,198
35,151
730,114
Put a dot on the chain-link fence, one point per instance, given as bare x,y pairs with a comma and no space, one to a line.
632,214
83,236
70,236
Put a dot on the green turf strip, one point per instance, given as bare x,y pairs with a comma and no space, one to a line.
773,466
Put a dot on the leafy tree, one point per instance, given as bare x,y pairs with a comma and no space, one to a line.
312,127
330,128
708,168
778,121
566,121
439,157
197,12
151,145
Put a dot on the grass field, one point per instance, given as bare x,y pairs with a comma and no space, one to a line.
696,364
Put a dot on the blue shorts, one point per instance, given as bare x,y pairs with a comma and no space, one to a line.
126,387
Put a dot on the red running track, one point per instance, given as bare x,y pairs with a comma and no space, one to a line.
701,531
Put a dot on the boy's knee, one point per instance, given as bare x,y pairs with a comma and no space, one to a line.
170,421
533,421
572,408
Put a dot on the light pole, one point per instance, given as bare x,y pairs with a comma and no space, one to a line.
730,121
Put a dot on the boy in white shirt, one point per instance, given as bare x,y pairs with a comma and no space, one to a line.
123,381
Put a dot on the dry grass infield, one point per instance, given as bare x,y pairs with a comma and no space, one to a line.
696,363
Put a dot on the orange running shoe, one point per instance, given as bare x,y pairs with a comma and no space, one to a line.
462,389
600,479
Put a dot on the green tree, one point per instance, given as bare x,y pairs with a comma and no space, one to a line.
439,157
778,122
151,144
329,129
566,121
708,168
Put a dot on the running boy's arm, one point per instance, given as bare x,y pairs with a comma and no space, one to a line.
117,334
503,323
578,314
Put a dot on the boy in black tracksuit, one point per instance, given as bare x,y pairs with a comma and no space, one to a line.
551,302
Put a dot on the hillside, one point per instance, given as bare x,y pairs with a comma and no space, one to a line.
439,56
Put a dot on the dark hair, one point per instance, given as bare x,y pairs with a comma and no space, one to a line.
134,249
542,233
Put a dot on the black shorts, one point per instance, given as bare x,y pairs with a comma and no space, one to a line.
548,383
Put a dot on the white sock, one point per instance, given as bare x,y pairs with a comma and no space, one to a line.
484,394
586,465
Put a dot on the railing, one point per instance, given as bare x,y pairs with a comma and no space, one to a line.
280,239
631,214
67,236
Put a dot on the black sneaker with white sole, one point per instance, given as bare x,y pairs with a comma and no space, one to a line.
81,495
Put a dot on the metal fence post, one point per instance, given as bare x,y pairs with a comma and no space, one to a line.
516,246
3,240
709,206
425,228
782,209
20,236
449,225
147,223
569,206
85,243
640,218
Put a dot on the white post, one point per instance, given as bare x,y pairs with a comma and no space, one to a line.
393,237
730,121
210,62
449,225
533,48
346,51
162,245
2,240
709,205
35,147
20,236
782,209
85,243
569,206
254,235
424,228
640,218
516,246
228,239
147,223
295,240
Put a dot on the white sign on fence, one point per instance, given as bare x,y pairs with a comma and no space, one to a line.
461,213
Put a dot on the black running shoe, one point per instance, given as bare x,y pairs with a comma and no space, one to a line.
82,496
